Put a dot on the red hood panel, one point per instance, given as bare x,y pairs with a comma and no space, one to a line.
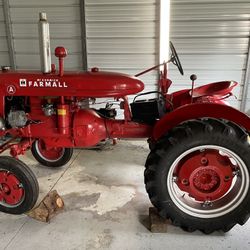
85,84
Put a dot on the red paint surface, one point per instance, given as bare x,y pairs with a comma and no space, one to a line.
11,191
72,127
199,110
205,175
82,84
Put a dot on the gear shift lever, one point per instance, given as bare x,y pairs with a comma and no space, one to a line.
192,78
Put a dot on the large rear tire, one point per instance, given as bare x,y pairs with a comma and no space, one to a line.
18,186
51,157
198,175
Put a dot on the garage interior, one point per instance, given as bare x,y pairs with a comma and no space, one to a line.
106,205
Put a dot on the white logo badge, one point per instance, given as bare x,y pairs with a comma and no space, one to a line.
11,89
23,83
42,83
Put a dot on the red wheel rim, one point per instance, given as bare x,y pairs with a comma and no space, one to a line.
49,153
208,181
11,189
205,175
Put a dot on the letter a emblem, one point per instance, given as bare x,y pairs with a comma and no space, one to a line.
11,89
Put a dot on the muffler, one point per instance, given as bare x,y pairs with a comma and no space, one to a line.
44,43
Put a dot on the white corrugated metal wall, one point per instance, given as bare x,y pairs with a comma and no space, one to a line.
123,35
246,93
4,52
212,39
64,19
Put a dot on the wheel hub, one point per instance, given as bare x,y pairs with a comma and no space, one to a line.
205,175
49,153
11,190
205,179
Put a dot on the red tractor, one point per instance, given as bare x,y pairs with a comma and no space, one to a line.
197,173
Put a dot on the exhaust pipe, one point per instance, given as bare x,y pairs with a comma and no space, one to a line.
44,42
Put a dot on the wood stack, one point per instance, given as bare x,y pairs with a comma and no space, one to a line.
51,205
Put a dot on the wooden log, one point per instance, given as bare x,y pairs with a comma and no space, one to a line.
156,223
51,205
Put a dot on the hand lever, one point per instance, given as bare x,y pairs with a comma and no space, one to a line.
192,78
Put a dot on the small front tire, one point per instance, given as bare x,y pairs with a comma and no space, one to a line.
19,188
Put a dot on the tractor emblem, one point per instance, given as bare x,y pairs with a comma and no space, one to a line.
11,89
22,82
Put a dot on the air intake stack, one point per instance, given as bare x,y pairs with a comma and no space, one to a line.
44,42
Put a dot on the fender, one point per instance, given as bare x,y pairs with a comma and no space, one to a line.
199,110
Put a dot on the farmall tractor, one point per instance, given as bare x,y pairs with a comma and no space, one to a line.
198,171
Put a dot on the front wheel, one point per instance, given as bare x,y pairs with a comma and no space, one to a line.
199,175
51,157
18,186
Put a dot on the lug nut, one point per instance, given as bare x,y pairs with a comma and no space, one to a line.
236,173
175,179
204,161
207,203
185,182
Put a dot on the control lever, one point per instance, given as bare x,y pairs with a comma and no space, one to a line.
193,77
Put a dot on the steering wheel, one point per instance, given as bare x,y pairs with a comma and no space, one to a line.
175,59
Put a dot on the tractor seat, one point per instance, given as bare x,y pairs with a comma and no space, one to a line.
215,89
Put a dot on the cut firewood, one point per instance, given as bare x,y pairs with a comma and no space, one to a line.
51,205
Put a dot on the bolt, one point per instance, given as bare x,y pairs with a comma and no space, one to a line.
226,178
236,172
207,203
204,161
175,179
185,182
18,186
6,189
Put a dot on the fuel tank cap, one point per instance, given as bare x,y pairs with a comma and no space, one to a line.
95,69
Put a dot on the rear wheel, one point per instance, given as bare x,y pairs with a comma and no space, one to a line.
198,175
18,186
51,157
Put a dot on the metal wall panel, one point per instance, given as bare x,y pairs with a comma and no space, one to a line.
4,51
212,40
65,30
123,35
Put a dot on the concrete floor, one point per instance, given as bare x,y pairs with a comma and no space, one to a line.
106,208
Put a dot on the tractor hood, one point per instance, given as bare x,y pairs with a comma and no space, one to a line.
85,84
